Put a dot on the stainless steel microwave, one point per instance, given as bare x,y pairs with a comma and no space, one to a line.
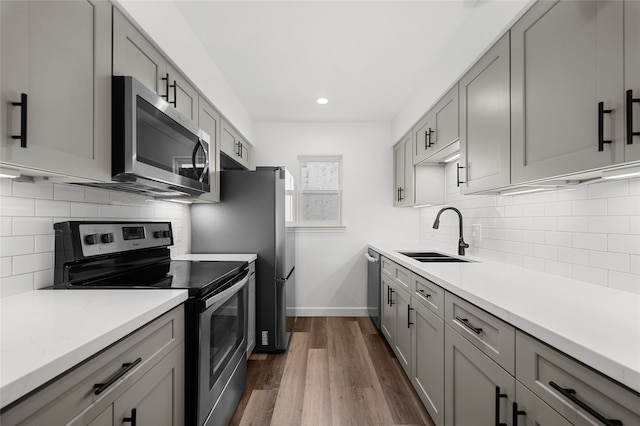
155,150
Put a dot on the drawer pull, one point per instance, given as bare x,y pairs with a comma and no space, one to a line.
466,323
23,120
424,293
133,419
409,309
571,395
126,367
499,395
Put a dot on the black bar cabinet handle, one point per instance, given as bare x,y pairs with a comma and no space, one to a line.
601,113
458,167
409,309
516,413
174,102
126,367
629,107
424,293
400,198
133,418
166,87
499,396
388,295
427,138
391,298
571,395
23,120
466,323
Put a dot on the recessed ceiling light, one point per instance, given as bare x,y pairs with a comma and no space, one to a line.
322,101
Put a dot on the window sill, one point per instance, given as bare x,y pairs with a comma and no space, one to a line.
318,228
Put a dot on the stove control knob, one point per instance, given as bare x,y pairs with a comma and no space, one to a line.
92,239
166,234
157,234
106,238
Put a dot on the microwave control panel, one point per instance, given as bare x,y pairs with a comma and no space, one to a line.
106,238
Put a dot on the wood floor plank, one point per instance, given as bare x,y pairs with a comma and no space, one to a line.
288,408
302,324
316,409
318,333
260,408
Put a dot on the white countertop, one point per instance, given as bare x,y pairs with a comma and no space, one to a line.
46,332
217,257
597,325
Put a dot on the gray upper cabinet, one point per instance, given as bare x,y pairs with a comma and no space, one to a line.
134,55
233,145
403,171
632,79
485,122
209,121
566,60
438,128
68,91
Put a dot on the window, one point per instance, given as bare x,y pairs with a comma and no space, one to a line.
320,200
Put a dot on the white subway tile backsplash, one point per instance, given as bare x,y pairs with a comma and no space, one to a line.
558,238
52,208
32,190
16,284
634,264
609,224
544,251
576,193
6,226
558,208
533,209
525,249
68,192
32,262
534,263
5,267
624,206
32,225
545,223
44,243
109,211
573,255
634,186
608,260
6,187
558,268
536,237
13,206
15,246
590,241
634,224
84,210
624,243
596,207
573,224
613,188
591,275
42,279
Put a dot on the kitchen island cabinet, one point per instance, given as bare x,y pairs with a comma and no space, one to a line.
140,376
55,103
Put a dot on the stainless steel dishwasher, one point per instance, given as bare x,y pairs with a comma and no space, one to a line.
373,286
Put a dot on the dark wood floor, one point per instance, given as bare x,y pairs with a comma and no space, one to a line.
337,371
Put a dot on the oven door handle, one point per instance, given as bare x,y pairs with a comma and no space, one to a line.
223,294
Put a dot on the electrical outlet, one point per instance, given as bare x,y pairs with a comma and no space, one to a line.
476,232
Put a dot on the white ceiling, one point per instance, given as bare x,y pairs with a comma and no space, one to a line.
367,57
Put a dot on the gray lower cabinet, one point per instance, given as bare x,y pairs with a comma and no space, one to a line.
388,315
485,122
67,109
427,372
477,390
567,83
532,411
579,394
151,390
209,121
404,328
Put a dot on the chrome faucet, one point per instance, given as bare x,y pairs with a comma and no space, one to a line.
436,224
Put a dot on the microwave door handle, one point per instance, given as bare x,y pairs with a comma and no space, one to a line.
206,160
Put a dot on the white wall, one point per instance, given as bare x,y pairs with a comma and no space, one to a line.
330,266
29,210
590,233
164,23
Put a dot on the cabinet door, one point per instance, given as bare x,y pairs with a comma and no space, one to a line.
232,144
398,172
534,411
158,397
68,90
133,55
566,57
428,361
404,325
103,419
445,120
632,78
485,121
422,134
209,121
388,320
407,195
182,94
474,385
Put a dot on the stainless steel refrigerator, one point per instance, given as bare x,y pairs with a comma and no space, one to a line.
251,218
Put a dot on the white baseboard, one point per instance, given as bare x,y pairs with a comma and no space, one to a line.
328,312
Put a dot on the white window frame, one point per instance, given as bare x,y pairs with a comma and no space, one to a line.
304,159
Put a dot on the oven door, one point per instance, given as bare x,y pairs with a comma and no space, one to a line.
222,361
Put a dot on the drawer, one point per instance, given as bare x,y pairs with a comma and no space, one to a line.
65,397
429,294
399,274
491,335
571,388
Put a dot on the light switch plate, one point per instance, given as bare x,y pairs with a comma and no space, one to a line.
476,232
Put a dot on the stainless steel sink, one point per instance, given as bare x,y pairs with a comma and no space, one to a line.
432,256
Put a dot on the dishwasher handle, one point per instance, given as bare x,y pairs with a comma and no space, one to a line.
370,258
